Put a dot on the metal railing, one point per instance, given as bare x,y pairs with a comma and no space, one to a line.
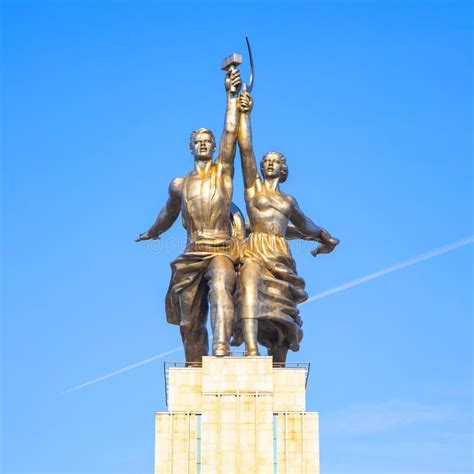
295,365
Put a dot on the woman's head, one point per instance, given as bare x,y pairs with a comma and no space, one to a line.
273,165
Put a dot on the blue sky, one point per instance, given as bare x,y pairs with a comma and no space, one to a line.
372,104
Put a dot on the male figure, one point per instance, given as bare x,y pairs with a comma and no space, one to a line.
204,274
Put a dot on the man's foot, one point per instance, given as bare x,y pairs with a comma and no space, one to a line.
220,350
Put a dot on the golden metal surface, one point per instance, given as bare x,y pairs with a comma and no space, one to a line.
268,286
204,275
267,289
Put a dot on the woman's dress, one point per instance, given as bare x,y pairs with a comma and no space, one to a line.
279,291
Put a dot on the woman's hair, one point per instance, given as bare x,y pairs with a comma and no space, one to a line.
284,166
202,130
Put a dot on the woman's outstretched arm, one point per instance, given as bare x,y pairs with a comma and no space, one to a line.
304,228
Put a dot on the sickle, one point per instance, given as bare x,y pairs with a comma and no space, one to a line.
252,73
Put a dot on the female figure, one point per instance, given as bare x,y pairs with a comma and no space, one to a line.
268,288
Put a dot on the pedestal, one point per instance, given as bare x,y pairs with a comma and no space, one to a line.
236,415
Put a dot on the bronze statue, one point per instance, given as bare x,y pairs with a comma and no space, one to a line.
268,287
204,274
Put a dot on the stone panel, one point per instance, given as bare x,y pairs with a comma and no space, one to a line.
236,398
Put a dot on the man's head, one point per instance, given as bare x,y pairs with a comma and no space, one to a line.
202,144
273,165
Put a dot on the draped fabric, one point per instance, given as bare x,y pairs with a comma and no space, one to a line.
188,271
188,274
280,290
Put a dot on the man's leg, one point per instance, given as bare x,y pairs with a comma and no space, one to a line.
249,275
221,280
193,306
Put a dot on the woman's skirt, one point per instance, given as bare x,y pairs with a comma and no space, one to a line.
279,291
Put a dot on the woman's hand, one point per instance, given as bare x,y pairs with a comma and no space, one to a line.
328,244
245,102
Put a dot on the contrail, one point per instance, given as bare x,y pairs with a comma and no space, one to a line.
398,266
371,276
125,369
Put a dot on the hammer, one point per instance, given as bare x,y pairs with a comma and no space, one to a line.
229,64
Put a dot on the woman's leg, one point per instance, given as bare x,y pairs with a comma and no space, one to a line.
279,352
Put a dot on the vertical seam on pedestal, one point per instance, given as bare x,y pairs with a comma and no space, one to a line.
218,443
286,441
171,442
302,441
256,428
189,442
237,434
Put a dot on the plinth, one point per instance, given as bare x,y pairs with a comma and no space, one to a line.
237,415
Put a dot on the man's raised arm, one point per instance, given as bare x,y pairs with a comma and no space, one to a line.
229,135
168,214
247,155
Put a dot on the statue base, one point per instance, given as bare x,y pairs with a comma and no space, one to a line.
236,415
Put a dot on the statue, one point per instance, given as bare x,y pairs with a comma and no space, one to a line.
268,287
204,275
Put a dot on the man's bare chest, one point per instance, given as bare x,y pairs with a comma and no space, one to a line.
204,189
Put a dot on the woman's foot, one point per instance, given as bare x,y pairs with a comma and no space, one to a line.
251,352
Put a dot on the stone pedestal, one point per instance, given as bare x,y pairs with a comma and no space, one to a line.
236,415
